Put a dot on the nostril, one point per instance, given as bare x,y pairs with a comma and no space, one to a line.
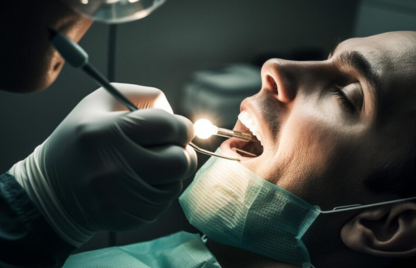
56,66
272,83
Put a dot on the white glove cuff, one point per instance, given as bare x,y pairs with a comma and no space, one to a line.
28,173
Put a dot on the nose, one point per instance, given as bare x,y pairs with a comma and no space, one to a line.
285,78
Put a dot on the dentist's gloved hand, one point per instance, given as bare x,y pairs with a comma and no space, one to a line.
105,168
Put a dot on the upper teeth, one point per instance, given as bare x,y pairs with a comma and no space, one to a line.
249,122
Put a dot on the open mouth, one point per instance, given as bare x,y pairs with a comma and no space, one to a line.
253,148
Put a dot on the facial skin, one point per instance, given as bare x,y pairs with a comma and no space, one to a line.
28,61
322,146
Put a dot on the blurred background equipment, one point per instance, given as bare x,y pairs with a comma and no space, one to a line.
218,92
205,56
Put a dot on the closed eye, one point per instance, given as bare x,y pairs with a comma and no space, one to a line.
343,99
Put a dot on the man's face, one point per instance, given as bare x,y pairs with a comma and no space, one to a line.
28,61
327,126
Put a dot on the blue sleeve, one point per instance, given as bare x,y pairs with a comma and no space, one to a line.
26,239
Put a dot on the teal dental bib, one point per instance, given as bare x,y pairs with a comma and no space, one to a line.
232,205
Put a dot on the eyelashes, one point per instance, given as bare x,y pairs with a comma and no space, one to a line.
342,99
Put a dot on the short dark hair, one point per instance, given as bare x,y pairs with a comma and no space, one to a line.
398,177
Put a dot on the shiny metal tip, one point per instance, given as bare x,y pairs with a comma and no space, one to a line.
206,152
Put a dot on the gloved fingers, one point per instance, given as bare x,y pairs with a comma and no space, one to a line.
169,191
116,188
142,97
163,164
156,127
153,195
193,159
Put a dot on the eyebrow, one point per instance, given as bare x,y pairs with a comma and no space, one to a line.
357,61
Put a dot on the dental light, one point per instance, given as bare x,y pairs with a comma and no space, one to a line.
204,129
78,58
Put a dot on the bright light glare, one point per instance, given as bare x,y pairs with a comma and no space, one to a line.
112,1
85,2
204,129
133,1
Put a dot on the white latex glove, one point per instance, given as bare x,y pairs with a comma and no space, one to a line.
105,168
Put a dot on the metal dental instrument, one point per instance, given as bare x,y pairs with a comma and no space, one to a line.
78,58
204,129
235,134
203,151
244,152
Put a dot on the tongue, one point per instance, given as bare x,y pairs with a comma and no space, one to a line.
253,147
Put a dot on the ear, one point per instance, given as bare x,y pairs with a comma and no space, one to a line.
385,231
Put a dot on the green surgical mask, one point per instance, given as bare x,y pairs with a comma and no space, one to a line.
232,205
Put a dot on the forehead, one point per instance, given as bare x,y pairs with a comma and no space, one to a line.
390,54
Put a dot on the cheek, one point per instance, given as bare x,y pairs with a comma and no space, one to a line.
310,137
324,156
310,146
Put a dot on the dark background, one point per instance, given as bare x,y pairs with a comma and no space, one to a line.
183,36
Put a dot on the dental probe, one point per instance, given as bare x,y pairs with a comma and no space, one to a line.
204,129
235,134
78,58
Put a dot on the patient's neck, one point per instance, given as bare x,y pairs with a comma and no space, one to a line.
230,257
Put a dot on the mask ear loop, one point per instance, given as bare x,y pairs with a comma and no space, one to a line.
206,152
361,206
